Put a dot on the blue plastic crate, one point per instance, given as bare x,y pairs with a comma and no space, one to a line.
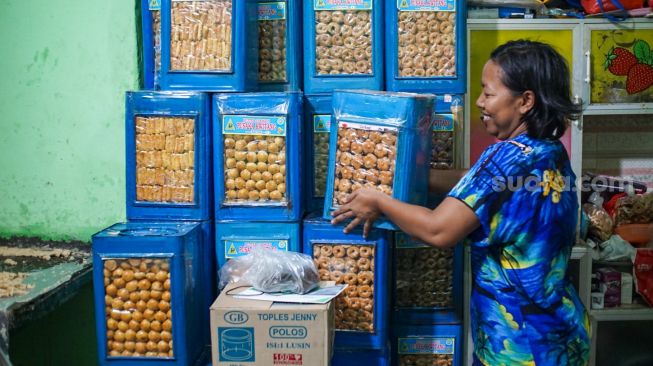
168,150
148,287
317,122
426,46
428,282
151,38
258,156
235,239
380,140
361,356
209,45
343,45
280,45
428,345
360,262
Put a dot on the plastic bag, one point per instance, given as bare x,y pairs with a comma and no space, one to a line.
600,225
616,249
272,271
636,209
593,7
643,273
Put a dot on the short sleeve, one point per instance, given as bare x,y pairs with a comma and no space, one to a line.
482,189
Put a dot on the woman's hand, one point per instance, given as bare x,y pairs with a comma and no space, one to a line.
363,206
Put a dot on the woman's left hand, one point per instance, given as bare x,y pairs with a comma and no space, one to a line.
363,206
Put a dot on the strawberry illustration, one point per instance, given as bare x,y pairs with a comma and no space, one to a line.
640,78
619,60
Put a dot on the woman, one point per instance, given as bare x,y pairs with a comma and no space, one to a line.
517,205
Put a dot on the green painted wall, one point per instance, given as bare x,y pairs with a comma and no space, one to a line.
64,68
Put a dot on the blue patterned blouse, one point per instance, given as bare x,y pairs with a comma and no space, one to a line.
524,311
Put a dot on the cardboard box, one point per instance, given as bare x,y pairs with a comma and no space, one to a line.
251,332
610,281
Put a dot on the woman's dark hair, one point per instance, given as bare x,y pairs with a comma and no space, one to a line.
536,66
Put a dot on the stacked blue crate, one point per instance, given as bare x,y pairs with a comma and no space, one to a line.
258,156
151,38
425,46
363,310
168,153
258,167
169,177
317,122
380,140
280,45
209,45
148,283
343,45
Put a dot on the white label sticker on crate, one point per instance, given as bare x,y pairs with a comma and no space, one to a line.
365,127
441,346
254,125
426,5
237,248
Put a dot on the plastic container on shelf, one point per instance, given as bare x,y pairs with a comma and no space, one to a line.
438,344
258,156
363,310
209,45
151,36
379,140
149,285
280,45
168,152
235,239
317,122
428,285
425,46
343,45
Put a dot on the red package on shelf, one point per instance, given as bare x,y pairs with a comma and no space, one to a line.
643,273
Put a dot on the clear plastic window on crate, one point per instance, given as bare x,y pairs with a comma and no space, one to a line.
321,123
165,159
272,35
426,43
201,35
255,169
343,40
138,307
425,359
353,265
365,157
425,277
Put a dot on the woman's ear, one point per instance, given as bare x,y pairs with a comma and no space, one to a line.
528,101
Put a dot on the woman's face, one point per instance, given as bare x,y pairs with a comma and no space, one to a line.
501,111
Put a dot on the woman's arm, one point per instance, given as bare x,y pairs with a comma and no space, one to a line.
444,226
442,181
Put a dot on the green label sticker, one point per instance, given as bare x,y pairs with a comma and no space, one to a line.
321,123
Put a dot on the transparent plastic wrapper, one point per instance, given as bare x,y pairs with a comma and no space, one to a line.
272,271
616,249
353,265
255,168
201,35
138,307
272,42
365,157
156,38
600,222
343,40
320,153
426,359
427,43
424,277
165,159
636,209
